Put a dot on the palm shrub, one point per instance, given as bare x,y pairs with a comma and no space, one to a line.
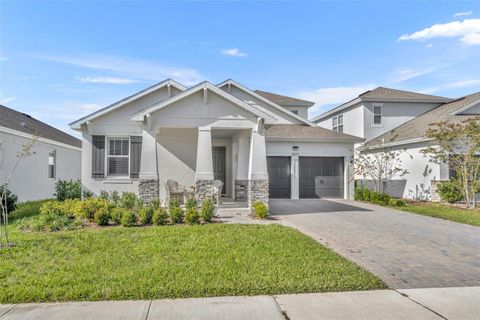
192,216
260,209
129,219
207,210
159,217
176,215
145,215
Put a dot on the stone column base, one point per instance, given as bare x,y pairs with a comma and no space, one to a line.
148,189
203,190
241,190
257,191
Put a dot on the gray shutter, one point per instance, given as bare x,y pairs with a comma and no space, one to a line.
98,156
135,155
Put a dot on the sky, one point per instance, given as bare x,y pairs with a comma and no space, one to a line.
60,61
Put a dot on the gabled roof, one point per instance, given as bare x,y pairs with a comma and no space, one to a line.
22,122
282,100
382,94
139,116
415,129
77,124
265,100
284,132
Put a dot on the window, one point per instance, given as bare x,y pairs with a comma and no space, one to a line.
52,163
337,123
294,111
377,115
118,156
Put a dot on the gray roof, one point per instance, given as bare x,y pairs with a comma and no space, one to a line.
382,93
303,132
417,127
15,120
284,100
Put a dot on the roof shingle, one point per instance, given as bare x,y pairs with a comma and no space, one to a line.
295,131
284,100
400,95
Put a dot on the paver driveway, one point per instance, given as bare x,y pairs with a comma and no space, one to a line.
405,250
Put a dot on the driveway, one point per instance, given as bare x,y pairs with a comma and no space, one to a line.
405,250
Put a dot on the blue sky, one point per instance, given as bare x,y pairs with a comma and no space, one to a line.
62,60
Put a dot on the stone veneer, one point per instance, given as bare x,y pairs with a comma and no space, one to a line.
148,189
258,191
203,190
241,190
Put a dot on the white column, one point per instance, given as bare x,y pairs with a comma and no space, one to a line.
148,161
243,157
204,170
257,166
295,174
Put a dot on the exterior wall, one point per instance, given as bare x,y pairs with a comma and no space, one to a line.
30,180
314,149
301,111
352,121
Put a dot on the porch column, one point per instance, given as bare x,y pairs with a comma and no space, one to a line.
241,180
257,170
204,169
148,187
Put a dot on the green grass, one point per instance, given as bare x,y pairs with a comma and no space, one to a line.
26,209
447,212
116,263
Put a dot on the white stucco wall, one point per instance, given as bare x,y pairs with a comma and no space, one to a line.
30,179
301,111
315,149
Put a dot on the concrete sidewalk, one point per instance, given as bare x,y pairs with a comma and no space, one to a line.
442,303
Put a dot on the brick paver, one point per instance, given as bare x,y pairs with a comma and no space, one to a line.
405,250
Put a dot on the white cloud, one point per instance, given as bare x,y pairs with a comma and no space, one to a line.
134,68
89,107
3,58
405,74
325,97
234,52
107,80
465,13
6,100
467,30
453,85
429,45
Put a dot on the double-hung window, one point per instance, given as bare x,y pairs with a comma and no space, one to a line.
52,164
377,115
118,160
337,123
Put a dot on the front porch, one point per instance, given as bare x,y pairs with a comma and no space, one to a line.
195,157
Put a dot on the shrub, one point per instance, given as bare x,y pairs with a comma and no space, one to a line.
9,200
192,216
129,219
207,211
101,217
70,189
176,215
174,203
52,208
154,204
116,214
397,202
362,194
260,210
145,215
115,198
49,222
139,204
380,198
159,216
92,205
104,195
449,191
128,200
383,199
191,203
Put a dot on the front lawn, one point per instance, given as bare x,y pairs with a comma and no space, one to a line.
116,263
443,211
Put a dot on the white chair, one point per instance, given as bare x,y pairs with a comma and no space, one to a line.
217,190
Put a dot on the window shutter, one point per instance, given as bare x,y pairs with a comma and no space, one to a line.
98,156
135,155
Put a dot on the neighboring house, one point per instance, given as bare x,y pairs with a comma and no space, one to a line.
252,141
377,111
55,155
410,138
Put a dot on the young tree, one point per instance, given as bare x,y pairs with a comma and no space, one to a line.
379,165
6,174
458,144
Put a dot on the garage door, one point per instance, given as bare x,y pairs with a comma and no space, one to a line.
279,177
321,177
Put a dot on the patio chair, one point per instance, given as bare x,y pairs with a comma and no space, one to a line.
175,191
217,190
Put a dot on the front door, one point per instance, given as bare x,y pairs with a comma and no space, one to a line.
219,164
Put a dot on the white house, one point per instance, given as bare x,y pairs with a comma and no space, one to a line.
55,155
410,138
259,144
377,111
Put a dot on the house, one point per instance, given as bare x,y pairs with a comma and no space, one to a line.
377,111
54,155
410,138
260,144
